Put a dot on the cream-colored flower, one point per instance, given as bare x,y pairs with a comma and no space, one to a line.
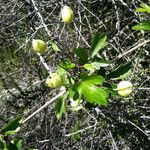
54,81
124,88
39,45
67,14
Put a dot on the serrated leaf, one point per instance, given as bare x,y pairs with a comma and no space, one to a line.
91,92
119,71
81,54
144,25
12,126
60,107
98,43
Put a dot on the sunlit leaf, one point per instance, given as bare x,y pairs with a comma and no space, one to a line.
89,67
91,92
144,7
94,79
140,10
94,94
144,25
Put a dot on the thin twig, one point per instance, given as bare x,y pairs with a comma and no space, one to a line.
130,50
82,130
113,141
44,106
44,63
138,128
41,18
89,127
81,36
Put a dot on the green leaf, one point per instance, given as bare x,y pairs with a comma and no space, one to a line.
67,64
18,143
70,65
124,76
120,71
55,47
91,92
144,7
89,67
96,65
144,25
94,79
12,126
98,43
60,107
102,63
81,54
64,75
140,10
73,92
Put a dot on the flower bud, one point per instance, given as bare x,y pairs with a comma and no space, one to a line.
124,88
67,14
55,81
39,46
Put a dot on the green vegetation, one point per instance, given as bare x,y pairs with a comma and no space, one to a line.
74,76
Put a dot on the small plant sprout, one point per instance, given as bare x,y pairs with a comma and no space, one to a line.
67,14
39,45
54,81
124,88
